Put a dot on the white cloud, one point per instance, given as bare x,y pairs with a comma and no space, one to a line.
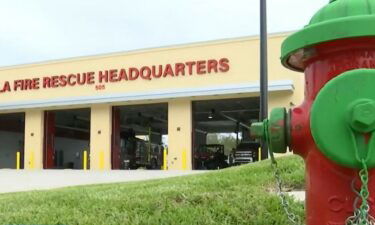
41,30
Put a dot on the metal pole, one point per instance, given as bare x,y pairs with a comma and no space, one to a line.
263,70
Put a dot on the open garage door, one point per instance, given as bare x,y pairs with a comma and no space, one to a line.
139,136
221,135
66,138
12,136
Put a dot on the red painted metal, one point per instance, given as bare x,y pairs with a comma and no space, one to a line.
49,140
22,156
116,138
329,197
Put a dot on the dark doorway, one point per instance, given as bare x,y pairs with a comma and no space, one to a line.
12,139
139,136
66,138
221,135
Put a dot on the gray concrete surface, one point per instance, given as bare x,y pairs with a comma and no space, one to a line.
28,180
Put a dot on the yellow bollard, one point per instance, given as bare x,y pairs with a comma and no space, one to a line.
259,154
184,166
101,160
84,160
165,155
18,160
31,162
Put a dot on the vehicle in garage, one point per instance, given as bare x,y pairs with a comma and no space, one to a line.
137,153
246,152
210,157
139,133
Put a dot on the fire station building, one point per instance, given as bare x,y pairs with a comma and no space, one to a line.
54,113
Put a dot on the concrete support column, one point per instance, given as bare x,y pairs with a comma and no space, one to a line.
34,136
180,135
100,137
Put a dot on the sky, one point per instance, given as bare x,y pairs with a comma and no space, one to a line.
42,30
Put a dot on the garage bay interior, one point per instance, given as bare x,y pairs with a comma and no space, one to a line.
12,136
221,137
140,134
66,138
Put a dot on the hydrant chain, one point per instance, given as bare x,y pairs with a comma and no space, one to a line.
284,201
361,214
275,131
292,217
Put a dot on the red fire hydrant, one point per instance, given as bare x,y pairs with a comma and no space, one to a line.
332,130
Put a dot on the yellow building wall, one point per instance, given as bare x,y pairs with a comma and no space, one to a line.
278,72
243,56
241,53
34,133
180,135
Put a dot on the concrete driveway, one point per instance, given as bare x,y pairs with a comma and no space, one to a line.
27,180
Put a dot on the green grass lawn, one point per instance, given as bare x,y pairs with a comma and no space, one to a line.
239,195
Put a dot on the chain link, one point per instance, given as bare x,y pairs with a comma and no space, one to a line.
284,201
361,215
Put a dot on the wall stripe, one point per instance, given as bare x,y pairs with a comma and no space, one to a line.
243,88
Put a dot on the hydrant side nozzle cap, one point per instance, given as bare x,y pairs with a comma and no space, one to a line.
257,130
337,20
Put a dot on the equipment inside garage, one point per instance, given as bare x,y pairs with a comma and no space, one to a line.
221,136
12,136
139,136
66,138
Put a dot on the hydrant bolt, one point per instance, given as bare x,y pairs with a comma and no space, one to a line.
363,117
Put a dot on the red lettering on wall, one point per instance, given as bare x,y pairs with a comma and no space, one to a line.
133,73
180,69
28,84
17,84
6,87
100,87
113,76
46,82
35,84
62,80
201,67
160,71
146,73
54,81
123,75
81,78
90,78
190,67
126,74
168,71
212,65
72,80
224,65
103,76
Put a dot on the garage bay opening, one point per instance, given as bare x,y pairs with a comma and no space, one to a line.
140,135
221,132
66,139
12,136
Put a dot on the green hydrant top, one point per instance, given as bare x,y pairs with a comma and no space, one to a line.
339,19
